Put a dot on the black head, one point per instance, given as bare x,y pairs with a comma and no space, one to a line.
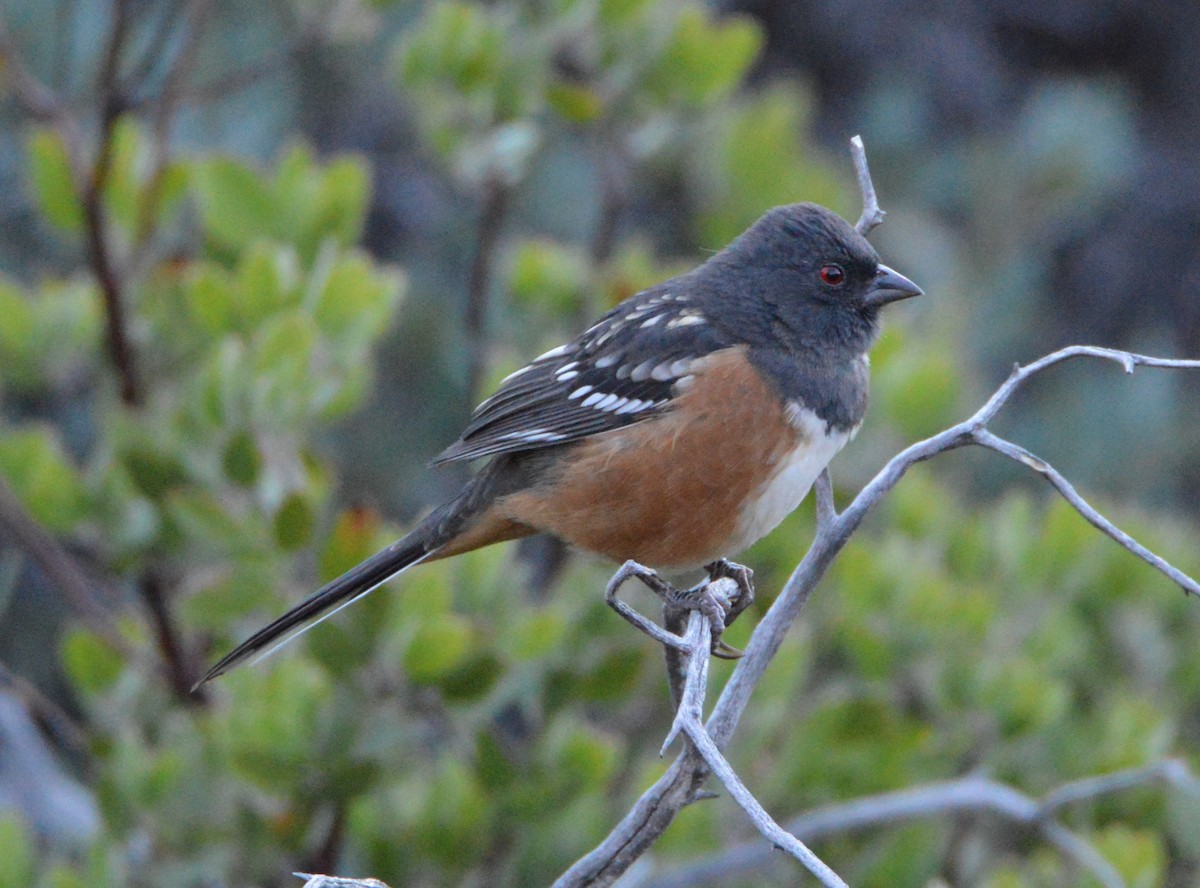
818,283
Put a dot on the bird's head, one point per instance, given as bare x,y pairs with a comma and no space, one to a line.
819,281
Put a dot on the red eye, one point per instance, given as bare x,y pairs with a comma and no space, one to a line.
833,275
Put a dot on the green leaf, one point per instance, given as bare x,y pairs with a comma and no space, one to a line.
267,280
154,472
53,185
241,460
17,847
209,294
33,461
122,192
340,207
89,661
549,277
236,207
356,301
473,679
705,60
17,360
574,102
441,644
294,522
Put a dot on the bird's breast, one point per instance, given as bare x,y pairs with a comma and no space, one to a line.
795,470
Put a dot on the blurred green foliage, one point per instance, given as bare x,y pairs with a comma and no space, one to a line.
450,729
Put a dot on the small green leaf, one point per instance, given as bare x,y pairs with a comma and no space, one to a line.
294,522
209,293
441,645
341,201
241,460
473,679
33,461
574,102
89,661
154,472
236,206
53,185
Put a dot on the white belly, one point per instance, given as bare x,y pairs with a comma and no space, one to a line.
793,477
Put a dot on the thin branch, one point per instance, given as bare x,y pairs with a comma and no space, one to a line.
823,492
316,880
1071,495
872,215
167,109
972,794
99,245
62,724
181,672
79,590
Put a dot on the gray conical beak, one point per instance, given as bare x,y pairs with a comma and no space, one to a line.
890,286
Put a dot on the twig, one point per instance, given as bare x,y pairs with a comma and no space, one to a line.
1071,495
174,84
872,215
53,717
100,250
80,591
823,491
689,715
180,673
316,880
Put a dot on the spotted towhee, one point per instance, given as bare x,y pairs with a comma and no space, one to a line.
683,426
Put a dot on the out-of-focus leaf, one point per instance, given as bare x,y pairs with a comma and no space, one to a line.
33,462
53,184
548,277
236,206
154,472
705,59
441,645
294,522
89,661
241,460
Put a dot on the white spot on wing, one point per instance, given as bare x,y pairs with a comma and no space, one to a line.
642,371
607,361
553,353
565,377
532,436
593,399
579,392
650,322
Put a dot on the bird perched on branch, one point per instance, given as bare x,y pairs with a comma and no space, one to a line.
680,428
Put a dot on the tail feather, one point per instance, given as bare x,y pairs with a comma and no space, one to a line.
325,602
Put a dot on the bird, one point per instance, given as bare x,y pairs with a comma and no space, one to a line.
682,427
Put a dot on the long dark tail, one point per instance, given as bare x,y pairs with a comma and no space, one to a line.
328,600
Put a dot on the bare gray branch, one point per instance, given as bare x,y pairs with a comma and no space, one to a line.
871,214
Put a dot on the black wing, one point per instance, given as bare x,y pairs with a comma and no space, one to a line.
624,369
